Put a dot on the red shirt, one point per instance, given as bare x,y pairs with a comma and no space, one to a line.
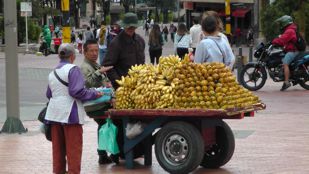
288,39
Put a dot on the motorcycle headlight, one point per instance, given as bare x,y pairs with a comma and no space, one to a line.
257,53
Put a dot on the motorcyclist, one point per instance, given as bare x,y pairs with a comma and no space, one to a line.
287,40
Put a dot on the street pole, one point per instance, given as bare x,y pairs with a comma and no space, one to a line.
66,29
135,6
12,123
228,18
27,50
178,10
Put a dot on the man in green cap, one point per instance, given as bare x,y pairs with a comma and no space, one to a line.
125,50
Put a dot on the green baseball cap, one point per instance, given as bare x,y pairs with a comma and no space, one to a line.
130,20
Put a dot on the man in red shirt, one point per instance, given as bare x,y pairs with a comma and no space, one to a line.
287,40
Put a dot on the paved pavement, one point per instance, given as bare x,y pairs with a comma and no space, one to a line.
274,141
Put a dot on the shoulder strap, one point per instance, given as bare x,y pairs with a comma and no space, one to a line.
180,38
60,80
219,49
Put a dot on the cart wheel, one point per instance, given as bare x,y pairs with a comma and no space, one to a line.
221,152
179,147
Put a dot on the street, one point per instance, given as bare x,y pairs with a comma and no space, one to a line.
274,141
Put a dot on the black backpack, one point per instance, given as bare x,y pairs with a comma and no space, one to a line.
300,42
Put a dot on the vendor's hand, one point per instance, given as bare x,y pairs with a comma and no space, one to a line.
108,85
113,102
99,94
104,69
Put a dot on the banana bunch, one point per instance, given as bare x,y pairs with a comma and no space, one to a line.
167,98
181,84
123,98
166,63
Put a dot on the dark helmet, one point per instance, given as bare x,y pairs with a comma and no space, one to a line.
284,21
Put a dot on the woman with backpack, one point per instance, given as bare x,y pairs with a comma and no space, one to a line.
182,41
155,44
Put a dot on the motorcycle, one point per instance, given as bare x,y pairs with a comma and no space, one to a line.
253,75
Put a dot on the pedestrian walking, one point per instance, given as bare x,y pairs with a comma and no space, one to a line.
79,42
88,35
182,41
213,47
165,33
155,44
172,31
195,33
220,30
101,37
65,111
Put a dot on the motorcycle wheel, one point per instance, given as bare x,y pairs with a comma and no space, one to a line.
305,82
253,77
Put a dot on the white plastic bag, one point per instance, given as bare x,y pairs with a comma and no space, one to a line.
134,129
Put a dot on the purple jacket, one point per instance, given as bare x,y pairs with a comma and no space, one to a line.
76,89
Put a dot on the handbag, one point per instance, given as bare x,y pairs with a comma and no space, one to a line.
47,127
42,114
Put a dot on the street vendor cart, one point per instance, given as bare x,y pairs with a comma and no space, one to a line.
183,138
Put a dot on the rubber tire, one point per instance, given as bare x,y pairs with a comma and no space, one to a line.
244,84
226,143
303,84
195,147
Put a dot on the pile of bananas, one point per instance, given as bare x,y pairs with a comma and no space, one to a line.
181,84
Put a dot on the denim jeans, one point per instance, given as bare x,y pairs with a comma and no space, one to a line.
102,52
289,57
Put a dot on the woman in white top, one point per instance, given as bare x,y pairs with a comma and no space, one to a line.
214,47
182,41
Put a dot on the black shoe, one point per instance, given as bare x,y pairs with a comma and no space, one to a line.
114,158
104,159
285,86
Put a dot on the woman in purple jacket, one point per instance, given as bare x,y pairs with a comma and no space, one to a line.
66,92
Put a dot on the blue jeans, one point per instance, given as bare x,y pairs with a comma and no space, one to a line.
289,57
102,52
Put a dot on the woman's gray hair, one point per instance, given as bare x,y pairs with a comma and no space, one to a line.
66,50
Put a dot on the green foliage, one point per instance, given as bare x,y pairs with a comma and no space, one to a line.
108,19
161,17
34,30
269,27
295,8
121,16
170,17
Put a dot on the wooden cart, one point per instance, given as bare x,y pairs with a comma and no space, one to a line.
186,139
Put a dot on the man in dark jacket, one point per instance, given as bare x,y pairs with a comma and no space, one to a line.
125,50
287,40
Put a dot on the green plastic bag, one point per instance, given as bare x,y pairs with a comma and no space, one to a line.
108,137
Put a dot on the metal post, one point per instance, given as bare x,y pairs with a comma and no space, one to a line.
178,9
135,6
239,63
66,29
12,123
27,32
228,17
250,53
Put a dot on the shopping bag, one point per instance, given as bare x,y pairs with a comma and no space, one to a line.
108,137
47,127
